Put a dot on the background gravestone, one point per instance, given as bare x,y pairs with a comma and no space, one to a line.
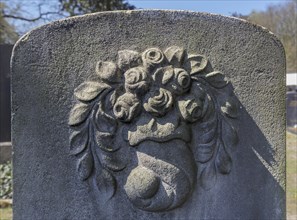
5,126
5,54
291,104
149,115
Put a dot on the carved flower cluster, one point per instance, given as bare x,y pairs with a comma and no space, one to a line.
153,80
157,83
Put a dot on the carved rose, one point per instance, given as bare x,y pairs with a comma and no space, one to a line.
176,80
152,57
126,107
136,80
193,108
182,81
160,103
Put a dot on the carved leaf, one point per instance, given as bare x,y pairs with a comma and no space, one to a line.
109,101
85,165
208,136
216,79
208,176
112,161
88,91
175,55
229,135
195,63
79,113
105,183
223,160
105,122
204,152
230,108
78,141
211,120
106,141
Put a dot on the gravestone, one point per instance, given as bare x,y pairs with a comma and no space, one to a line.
5,55
5,152
291,106
149,115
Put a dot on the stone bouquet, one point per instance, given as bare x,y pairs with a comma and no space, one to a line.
149,115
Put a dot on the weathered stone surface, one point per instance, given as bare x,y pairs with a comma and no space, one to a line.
149,115
291,106
5,152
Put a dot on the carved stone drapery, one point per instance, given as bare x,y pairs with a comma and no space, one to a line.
162,108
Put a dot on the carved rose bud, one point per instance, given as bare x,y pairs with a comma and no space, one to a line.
182,81
193,107
160,103
153,57
107,71
136,80
126,107
128,59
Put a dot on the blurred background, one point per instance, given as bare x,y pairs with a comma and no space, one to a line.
19,16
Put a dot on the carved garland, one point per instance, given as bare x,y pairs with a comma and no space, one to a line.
153,97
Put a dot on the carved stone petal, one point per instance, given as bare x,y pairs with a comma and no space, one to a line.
175,55
195,63
164,74
167,76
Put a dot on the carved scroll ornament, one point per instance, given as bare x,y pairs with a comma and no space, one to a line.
157,114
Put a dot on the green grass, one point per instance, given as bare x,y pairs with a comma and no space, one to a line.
291,176
6,213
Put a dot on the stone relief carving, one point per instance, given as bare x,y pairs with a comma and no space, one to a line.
158,115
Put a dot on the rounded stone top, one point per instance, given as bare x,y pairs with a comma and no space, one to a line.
150,16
